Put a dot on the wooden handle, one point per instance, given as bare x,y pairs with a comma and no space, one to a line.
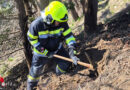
79,62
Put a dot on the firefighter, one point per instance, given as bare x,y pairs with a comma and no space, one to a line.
46,34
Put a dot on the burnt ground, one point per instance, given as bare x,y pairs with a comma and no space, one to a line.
109,50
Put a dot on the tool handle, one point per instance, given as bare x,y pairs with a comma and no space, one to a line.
79,62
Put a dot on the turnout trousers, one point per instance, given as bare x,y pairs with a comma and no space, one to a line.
37,64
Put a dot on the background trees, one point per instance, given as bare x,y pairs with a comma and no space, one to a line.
24,12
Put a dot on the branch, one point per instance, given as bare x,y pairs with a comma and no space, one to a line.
11,52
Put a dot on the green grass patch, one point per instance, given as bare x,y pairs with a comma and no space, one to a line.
10,59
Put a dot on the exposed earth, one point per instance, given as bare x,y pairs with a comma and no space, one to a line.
108,48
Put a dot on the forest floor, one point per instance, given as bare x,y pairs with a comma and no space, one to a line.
108,48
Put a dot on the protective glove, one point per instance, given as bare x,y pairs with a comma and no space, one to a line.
75,59
72,55
50,54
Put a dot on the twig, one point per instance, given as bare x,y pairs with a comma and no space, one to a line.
11,52
14,32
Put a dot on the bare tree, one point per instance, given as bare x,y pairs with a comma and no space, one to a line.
42,4
25,11
21,4
72,9
78,7
90,8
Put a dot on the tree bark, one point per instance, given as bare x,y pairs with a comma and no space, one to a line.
28,9
78,7
42,4
24,28
90,8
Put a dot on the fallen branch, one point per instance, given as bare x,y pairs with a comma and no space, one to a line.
11,52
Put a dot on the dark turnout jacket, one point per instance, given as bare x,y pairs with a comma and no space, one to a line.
48,36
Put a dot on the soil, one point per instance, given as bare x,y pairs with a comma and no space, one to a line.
109,50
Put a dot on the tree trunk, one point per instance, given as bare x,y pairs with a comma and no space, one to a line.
73,11
90,8
78,7
28,9
24,28
42,4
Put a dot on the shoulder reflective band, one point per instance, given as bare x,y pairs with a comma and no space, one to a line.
67,32
50,32
32,36
43,32
56,31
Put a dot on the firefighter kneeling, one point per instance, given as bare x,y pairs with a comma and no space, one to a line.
46,35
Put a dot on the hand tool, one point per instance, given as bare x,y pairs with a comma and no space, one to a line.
79,62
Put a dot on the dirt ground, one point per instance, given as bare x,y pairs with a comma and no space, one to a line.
109,50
